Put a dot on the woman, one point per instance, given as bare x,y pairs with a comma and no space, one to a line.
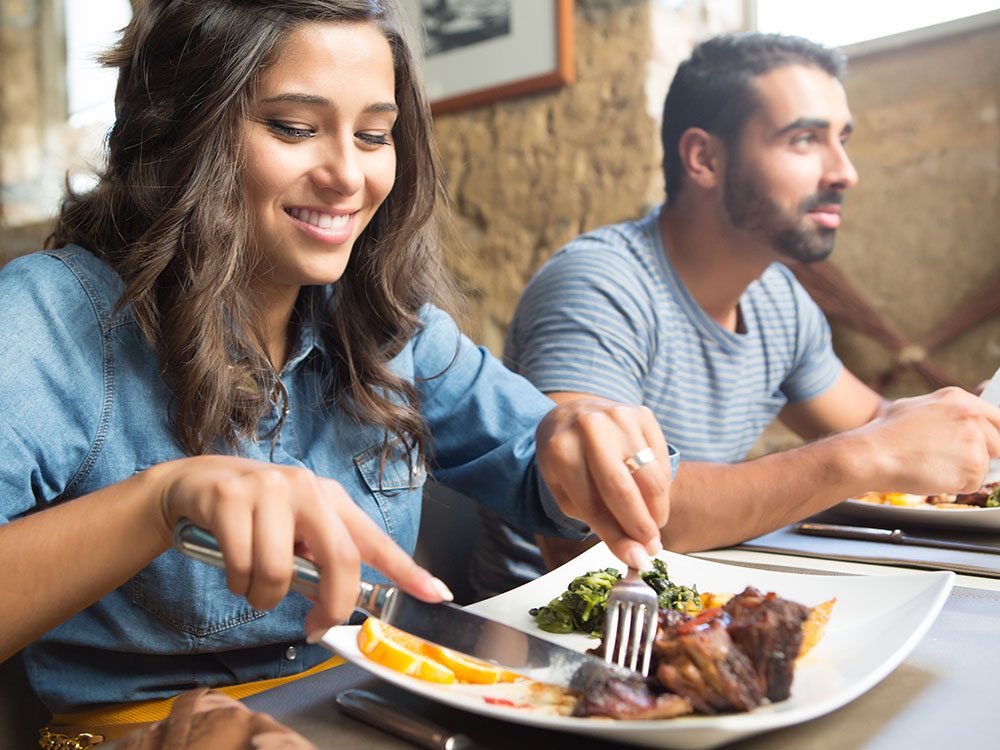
234,326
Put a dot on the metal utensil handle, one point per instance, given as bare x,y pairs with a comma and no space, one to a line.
850,532
381,714
375,599
199,544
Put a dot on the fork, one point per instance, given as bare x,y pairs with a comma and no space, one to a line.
633,614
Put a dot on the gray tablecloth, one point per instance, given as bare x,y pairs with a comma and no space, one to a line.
941,696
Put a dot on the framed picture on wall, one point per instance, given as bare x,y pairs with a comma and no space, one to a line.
480,51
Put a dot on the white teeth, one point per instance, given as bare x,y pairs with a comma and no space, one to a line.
321,220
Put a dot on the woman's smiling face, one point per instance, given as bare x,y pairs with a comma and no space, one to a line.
320,158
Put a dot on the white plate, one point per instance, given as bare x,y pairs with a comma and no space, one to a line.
970,519
876,622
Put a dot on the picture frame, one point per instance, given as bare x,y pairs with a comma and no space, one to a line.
476,52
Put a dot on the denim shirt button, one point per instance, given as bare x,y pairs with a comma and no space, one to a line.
291,653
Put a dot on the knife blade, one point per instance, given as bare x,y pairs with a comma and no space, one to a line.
893,536
445,624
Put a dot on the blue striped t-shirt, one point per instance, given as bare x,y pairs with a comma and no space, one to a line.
609,315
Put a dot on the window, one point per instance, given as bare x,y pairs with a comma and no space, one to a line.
90,87
852,21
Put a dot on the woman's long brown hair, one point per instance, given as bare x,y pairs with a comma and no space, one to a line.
170,216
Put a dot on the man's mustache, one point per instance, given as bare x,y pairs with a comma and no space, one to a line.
826,198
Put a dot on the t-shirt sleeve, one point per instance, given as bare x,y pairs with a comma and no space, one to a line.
816,367
51,383
585,324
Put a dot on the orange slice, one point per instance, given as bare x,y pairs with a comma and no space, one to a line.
414,656
466,668
400,651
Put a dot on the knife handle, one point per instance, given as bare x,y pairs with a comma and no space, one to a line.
849,532
381,714
199,544
373,598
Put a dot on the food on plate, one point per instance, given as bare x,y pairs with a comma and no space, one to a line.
815,625
988,496
713,652
414,656
583,605
729,658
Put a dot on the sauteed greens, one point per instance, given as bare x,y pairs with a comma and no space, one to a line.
583,605
993,499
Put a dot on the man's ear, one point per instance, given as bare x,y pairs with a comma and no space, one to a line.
701,156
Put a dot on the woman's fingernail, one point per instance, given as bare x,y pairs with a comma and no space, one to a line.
637,558
654,546
316,636
442,589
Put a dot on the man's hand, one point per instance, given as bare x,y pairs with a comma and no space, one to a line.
941,442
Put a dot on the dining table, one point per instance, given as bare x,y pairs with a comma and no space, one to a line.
943,694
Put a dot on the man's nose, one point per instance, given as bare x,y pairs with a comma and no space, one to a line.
840,171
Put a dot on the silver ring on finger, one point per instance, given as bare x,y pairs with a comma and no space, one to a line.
639,459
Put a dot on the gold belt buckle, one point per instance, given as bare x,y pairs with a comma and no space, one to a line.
49,740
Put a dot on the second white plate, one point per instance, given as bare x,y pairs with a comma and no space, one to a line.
985,520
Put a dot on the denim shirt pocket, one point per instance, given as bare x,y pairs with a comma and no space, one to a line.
398,474
190,596
396,487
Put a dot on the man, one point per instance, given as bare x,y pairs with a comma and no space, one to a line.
689,312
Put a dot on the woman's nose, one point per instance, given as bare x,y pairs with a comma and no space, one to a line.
340,170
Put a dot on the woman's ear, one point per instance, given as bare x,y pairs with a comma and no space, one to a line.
701,155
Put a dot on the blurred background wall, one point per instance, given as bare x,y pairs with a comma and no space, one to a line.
529,174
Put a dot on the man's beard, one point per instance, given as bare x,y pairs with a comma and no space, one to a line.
750,209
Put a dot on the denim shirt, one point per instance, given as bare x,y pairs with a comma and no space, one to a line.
83,406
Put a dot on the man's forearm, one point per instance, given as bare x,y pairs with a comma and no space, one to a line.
715,505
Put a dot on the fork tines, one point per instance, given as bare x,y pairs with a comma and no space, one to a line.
631,622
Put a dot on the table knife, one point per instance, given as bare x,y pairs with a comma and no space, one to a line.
376,711
445,624
893,536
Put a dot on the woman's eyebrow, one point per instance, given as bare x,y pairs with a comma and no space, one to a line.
322,101
298,99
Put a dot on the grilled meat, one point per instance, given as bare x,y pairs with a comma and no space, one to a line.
698,660
769,631
617,699
730,658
